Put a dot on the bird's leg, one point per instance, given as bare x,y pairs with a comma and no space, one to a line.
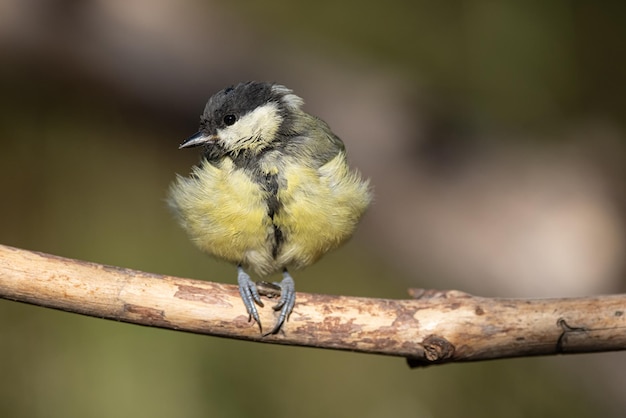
286,302
249,295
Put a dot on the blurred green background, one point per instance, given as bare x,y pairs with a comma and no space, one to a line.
97,95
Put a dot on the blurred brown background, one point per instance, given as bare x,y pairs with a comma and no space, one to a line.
493,134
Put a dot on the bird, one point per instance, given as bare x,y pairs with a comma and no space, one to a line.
272,192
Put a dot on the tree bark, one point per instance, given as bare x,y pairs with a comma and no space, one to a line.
432,328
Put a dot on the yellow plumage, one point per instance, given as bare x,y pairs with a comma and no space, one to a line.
225,212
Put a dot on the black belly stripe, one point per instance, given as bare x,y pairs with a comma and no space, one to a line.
269,182
273,207
278,240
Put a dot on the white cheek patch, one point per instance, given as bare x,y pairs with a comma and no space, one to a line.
258,126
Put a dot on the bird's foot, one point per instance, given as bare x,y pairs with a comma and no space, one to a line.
286,302
249,295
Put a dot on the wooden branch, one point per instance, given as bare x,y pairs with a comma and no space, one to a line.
435,327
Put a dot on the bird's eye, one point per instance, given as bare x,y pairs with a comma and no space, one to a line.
230,119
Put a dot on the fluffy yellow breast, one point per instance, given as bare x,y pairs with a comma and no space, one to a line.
225,211
320,209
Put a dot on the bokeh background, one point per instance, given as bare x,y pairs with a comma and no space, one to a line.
493,133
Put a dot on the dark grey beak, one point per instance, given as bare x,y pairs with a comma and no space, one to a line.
196,139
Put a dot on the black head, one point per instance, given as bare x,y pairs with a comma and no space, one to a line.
247,115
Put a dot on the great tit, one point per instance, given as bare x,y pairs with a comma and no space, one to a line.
273,190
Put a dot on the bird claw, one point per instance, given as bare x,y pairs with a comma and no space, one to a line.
286,303
249,295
